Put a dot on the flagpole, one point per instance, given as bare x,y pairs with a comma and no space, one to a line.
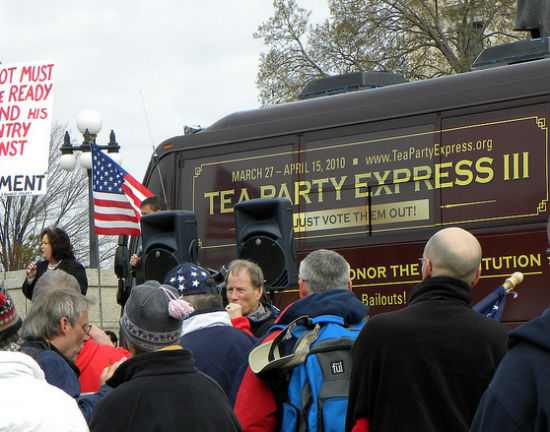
94,249
99,292
94,244
89,123
510,283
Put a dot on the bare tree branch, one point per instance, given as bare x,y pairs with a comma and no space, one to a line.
418,38
64,205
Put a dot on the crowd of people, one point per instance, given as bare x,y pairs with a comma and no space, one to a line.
191,363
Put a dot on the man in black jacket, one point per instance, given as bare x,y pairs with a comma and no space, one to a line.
426,366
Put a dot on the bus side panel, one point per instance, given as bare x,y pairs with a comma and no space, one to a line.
383,276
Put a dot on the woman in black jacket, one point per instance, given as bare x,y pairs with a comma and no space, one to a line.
57,252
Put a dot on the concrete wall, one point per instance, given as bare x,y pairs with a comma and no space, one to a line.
104,313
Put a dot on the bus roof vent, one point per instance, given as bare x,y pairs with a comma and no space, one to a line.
349,82
515,52
188,130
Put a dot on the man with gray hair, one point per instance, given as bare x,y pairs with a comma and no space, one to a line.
54,331
30,402
426,366
245,287
325,289
323,270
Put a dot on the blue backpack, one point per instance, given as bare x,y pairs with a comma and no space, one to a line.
316,354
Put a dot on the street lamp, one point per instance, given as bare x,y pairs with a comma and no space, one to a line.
89,124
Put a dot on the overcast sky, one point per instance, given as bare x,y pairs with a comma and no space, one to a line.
175,62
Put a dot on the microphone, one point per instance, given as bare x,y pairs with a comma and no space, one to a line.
34,263
133,269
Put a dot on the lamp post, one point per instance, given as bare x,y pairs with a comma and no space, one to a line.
89,124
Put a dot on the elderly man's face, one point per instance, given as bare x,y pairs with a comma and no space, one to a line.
76,336
241,291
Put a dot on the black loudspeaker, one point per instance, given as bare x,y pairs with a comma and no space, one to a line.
265,236
168,238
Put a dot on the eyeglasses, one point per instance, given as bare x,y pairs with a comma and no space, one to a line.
87,328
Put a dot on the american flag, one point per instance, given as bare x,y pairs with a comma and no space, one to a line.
117,197
492,305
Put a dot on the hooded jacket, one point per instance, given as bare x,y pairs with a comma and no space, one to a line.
30,403
518,397
92,359
219,349
256,406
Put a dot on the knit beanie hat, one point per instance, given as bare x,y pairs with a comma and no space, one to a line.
189,279
152,316
9,320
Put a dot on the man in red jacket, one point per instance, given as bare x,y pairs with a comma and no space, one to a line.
97,353
325,289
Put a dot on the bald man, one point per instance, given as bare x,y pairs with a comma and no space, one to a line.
425,367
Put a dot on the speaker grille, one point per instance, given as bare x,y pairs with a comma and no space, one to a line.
157,263
268,255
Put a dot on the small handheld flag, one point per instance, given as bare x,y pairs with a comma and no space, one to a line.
493,305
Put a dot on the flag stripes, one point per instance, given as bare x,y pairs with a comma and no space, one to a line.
117,197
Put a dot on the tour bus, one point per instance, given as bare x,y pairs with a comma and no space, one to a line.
372,174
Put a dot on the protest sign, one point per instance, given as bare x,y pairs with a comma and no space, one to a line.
26,101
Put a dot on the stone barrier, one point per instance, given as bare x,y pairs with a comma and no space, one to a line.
104,313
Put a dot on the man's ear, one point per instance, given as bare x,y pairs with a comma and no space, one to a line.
302,288
62,327
131,348
476,278
260,292
349,285
426,269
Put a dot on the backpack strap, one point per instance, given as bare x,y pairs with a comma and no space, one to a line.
322,319
272,354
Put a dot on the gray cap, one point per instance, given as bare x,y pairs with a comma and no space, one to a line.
146,321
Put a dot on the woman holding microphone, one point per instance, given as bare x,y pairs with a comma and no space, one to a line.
57,252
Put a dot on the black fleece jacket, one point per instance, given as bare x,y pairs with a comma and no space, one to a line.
425,367
163,391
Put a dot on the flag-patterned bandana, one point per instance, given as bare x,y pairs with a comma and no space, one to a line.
189,279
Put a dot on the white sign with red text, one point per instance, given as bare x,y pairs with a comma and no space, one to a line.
26,102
